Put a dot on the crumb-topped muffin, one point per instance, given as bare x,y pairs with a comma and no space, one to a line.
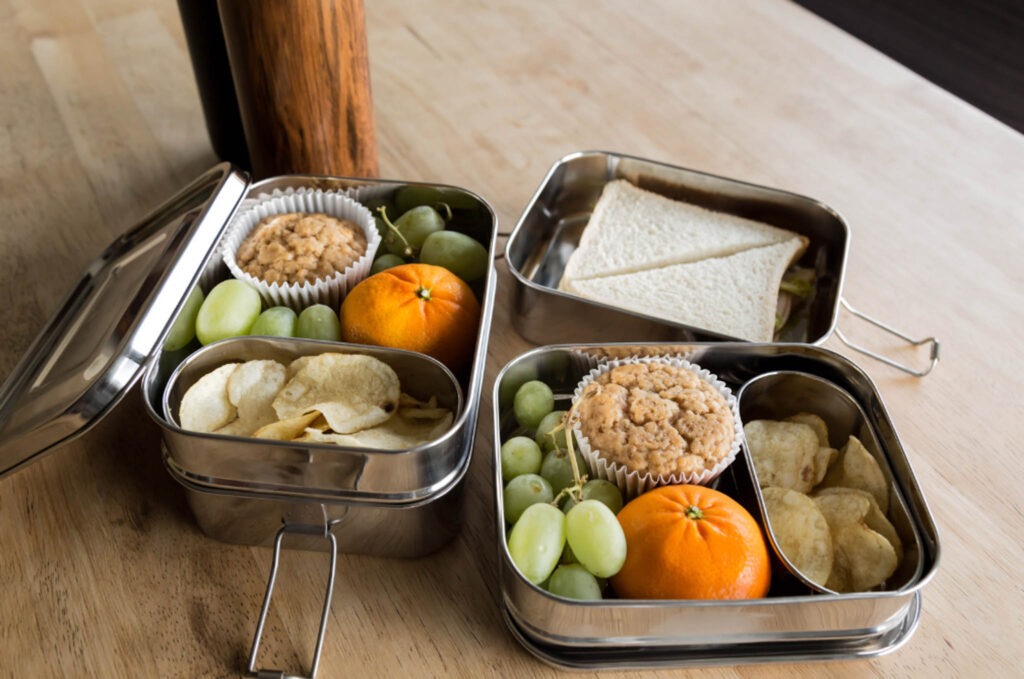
656,418
300,247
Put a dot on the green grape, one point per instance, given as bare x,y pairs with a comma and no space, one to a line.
409,197
524,491
514,377
385,261
536,541
318,322
228,311
184,328
574,582
605,492
532,402
596,538
277,321
519,455
414,227
372,204
545,439
567,555
457,252
556,468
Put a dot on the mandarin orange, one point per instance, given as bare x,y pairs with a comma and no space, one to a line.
691,542
418,307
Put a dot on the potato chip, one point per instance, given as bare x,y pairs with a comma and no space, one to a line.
205,406
237,427
801,532
814,422
405,400
286,430
874,519
319,424
824,459
398,433
857,468
295,366
863,558
352,391
785,454
252,388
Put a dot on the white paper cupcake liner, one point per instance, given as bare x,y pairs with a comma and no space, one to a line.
329,291
633,483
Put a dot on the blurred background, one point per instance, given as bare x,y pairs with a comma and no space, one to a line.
974,49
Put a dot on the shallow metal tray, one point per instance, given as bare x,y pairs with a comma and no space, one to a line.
792,620
550,228
779,394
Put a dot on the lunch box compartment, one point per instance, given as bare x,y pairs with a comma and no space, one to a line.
322,471
779,394
552,224
792,623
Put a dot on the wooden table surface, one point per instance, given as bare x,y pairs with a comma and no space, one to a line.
103,571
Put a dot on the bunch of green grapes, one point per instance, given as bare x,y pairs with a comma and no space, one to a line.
233,309
571,550
412,229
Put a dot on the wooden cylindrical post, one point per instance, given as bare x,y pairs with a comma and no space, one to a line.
302,78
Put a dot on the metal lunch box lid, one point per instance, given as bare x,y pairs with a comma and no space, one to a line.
95,346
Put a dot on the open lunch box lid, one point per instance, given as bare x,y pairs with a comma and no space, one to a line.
95,346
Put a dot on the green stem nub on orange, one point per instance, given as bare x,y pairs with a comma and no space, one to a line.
695,513
423,293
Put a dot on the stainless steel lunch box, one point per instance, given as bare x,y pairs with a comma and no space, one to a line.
109,332
794,622
550,228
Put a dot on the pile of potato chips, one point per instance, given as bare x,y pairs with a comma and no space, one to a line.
827,508
344,399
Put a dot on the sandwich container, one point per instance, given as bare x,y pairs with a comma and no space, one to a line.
798,620
551,226
108,335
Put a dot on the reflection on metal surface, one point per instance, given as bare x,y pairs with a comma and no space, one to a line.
869,645
94,347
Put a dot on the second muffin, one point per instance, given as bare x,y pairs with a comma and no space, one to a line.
648,422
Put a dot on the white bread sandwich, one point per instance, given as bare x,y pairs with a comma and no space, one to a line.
735,295
633,230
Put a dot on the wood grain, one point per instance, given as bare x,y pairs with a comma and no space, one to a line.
303,84
103,570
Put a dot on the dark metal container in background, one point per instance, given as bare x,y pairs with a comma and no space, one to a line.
212,70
